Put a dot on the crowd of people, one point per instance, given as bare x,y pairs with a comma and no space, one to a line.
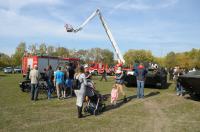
62,81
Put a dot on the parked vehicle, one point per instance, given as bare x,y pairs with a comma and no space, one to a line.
43,61
96,68
17,70
154,77
8,70
191,83
25,85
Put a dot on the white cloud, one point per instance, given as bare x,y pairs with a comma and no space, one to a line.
14,24
143,5
18,4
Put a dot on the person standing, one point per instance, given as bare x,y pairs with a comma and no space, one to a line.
179,87
103,76
34,77
140,74
119,80
171,73
49,74
28,72
114,95
70,78
80,94
58,80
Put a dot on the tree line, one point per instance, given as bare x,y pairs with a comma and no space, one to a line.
189,59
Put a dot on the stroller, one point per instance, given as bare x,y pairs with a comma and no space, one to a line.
95,103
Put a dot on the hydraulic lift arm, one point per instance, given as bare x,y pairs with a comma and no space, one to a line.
107,30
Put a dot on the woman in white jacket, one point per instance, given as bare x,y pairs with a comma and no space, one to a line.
80,94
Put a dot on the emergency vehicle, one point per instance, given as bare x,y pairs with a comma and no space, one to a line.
44,61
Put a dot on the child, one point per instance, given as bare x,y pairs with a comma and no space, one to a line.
114,94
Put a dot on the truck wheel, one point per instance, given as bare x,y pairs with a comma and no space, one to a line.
22,89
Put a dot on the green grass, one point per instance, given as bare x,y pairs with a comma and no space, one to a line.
160,111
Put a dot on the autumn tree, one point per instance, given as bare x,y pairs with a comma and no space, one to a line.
62,52
50,50
138,55
170,60
19,52
43,49
107,56
5,60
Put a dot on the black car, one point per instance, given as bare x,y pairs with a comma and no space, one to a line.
191,83
155,77
17,70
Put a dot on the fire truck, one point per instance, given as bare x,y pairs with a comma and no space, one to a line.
43,61
98,68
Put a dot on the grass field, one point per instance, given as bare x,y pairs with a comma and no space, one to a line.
160,111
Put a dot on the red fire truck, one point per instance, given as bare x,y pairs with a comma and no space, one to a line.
43,61
98,68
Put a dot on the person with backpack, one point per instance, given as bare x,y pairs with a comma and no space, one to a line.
80,91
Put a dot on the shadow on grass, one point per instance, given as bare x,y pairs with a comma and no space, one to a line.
2,75
122,102
152,94
119,103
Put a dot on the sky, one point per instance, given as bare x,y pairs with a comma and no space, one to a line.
157,25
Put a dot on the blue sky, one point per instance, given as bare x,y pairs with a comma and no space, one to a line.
157,25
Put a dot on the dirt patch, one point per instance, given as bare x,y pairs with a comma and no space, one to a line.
158,119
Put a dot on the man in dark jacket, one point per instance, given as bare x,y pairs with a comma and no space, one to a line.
140,74
49,80
70,78
103,76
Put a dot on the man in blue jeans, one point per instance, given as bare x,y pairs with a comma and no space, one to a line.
70,78
59,80
34,77
140,74
49,75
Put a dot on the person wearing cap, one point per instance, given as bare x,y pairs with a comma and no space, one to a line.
119,80
140,74
34,77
